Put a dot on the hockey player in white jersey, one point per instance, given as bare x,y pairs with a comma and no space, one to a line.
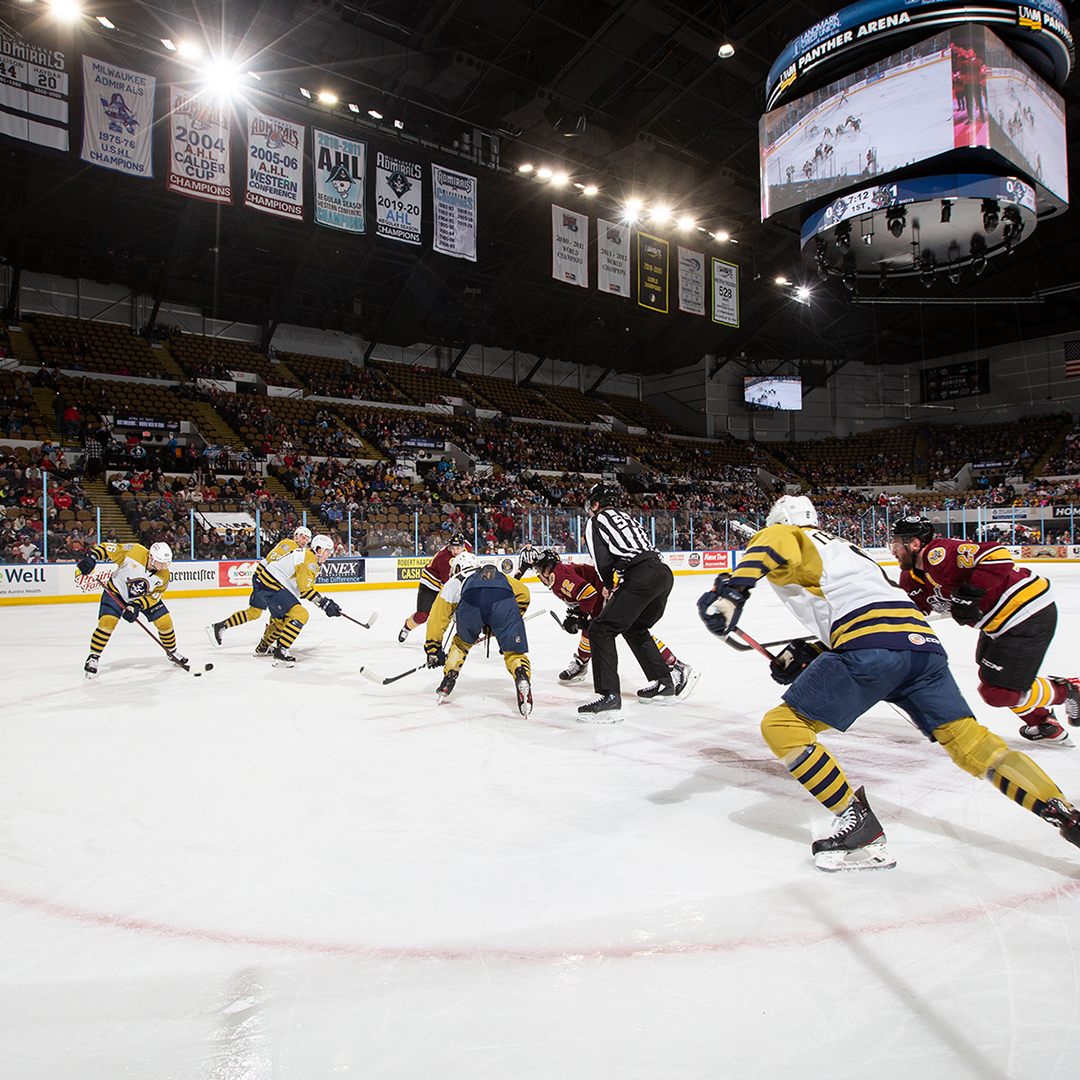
872,644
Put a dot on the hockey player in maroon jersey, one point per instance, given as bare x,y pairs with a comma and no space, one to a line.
979,585
579,586
432,578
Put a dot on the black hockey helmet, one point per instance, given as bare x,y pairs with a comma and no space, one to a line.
546,561
604,494
914,528
457,539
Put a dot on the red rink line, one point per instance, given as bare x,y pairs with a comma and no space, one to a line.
971,914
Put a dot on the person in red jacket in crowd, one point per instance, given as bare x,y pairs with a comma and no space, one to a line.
432,578
579,586
979,585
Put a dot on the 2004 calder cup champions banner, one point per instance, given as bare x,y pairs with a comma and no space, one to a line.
275,166
199,160
118,118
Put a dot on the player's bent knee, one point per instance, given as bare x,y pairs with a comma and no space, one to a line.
998,697
297,614
975,749
107,622
164,624
786,732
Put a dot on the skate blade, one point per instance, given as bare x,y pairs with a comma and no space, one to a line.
213,640
90,674
577,679
871,857
612,716
688,686
284,663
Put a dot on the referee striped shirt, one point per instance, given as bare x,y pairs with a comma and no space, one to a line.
615,540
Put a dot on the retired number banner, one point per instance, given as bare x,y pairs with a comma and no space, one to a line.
691,281
652,268
33,93
399,198
569,246
340,171
725,293
455,213
199,159
613,257
275,166
118,118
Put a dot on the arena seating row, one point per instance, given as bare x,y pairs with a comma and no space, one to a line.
89,345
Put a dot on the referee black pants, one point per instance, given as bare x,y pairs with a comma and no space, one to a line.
633,609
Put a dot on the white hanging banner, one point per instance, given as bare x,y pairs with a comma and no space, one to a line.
725,305
275,166
199,158
569,247
613,257
340,172
399,198
455,213
691,281
118,118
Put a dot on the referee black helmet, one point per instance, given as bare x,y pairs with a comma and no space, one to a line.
604,494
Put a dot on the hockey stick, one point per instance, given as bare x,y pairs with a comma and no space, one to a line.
739,646
366,625
750,643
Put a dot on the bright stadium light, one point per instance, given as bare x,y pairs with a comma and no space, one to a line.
221,78
65,10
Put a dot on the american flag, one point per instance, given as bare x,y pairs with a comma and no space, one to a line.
1072,359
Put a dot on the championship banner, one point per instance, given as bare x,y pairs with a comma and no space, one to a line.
340,171
569,247
118,118
275,166
399,198
613,257
652,273
455,213
725,299
33,93
199,158
691,281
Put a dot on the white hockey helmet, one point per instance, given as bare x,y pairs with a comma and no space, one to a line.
161,553
322,543
302,535
464,563
792,510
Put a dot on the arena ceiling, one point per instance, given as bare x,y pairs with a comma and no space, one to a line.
485,85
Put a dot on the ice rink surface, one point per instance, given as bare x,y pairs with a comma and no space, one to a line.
269,874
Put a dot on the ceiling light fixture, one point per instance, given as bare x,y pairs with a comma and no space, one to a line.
326,98
726,51
526,168
105,22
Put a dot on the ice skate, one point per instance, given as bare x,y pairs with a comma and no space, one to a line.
606,709
1072,698
524,691
686,678
177,659
858,842
658,692
281,657
403,633
1065,817
1048,731
263,649
575,671
214,632
446,687
90,667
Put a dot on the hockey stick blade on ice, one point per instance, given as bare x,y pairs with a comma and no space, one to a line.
369,674
366,625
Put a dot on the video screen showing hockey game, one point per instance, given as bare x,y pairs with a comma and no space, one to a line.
960,88
772,392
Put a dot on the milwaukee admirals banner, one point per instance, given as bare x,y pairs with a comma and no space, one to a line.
399,198
118,118
340,171
455,213
199,157
33,93
569,247
275,166
613,257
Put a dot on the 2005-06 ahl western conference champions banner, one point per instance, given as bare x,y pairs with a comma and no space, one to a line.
569,246
118,118
199,158
33,93
455,213
399,198
613,257
340,182
275,166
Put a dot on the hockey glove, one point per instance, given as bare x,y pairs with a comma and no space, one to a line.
436,655
86,564
964,605
794,660
332,608
720,609
130,614
575,622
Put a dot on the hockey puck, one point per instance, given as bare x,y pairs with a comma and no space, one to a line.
197,674
208,667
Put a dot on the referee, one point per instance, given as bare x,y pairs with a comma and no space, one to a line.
617,542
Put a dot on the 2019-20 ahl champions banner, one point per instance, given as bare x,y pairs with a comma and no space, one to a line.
275,166
399,198
454,196
33,93
199,156
613,257
118,118
340,182
569,246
